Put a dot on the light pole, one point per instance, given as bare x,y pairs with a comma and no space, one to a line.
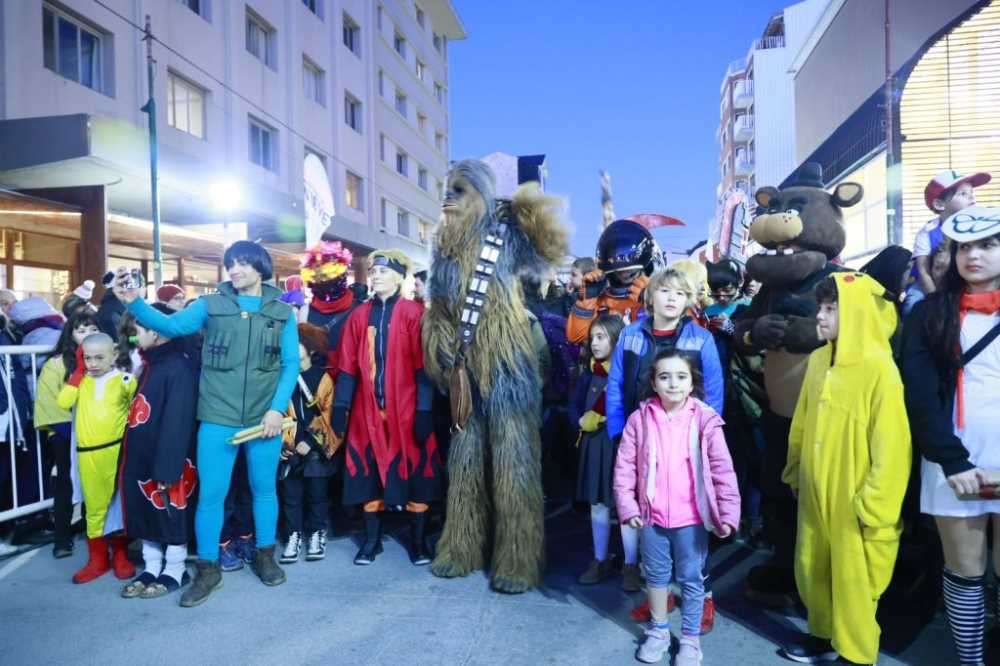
226,197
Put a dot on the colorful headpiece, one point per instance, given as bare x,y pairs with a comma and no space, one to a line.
325,262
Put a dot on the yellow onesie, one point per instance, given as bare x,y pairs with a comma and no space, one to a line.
102,405
849,457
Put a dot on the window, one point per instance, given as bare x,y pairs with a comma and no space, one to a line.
437,42
313,82
403,223
352,35
439,141
381,83
421,70
439,188
185,106
352,191
402,163
72,50
422,178
199,7
378,17
439,92
352,112
383,217
263,145
421,122
381,147
420,16
261,39
401,103
313,6
424,231
399,43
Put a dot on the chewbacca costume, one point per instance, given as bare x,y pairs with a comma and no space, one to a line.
494,463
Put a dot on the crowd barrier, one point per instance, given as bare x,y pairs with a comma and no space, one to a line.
24,477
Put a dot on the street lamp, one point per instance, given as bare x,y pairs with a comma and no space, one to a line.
226,197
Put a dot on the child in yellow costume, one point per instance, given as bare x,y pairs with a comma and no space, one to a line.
849,458
102,395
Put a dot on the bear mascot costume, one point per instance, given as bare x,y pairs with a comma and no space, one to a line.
482,345
801,229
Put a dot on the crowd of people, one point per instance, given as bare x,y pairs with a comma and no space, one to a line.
210,423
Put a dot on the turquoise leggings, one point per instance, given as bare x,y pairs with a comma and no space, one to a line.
216,458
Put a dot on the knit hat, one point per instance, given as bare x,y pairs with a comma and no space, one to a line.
167,292
85,290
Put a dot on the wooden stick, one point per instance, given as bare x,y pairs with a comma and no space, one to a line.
256,431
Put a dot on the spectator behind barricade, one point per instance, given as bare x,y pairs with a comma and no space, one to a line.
946,194
951,362
848,463
78,299
172,296
110,312
7,300
56,423
37,321
674,480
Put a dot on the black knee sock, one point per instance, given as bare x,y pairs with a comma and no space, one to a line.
965,603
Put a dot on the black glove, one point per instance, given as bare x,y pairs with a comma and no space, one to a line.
338,421
594,289
423,427
802,336
768,331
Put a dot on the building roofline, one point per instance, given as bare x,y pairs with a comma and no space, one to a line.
829,14
445,19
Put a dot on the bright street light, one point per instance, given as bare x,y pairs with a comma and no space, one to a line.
226,195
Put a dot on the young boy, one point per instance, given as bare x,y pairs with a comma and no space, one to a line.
667,298
158,475
945,194
101,395
849,460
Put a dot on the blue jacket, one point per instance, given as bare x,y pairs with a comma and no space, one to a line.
629,361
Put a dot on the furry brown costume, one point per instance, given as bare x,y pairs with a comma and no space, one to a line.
495,494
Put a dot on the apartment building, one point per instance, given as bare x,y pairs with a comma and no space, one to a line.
244,91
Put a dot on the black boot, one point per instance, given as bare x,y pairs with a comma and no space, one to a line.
207,580
373,540
266,568
418,546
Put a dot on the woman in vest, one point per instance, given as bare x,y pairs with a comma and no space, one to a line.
250,361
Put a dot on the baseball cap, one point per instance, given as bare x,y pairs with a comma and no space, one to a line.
168,291
950,179
972,224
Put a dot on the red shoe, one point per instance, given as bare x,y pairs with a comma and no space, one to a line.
708,616
97,561
641,612
119,559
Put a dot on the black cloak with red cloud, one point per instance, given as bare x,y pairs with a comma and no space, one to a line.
159,446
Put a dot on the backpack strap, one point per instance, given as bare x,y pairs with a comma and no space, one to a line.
983,343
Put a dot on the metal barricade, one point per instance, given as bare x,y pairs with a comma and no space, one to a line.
20,438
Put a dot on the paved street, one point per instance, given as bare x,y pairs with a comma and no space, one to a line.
332,612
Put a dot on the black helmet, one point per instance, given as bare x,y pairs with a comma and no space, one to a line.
625,245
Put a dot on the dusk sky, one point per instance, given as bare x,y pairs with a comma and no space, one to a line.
631,87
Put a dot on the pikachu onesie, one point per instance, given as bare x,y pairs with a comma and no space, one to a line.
849,458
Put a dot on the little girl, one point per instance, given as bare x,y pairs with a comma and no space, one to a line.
674,480
597,457
58,422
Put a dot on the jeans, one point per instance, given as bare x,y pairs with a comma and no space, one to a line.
309,496
678,553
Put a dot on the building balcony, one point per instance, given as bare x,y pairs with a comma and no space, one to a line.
735,67
743,129
743,94
744,163
773,42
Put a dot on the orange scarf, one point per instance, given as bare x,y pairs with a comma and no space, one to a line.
987,302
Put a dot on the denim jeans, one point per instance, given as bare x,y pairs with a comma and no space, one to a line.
678,553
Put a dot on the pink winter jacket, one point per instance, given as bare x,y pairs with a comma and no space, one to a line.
716,491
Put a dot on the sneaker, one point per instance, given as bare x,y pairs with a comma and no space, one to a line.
207,580
657,644
229,556
291,552
810,650
597,571
708,616
246,546
689,653
317,546
631,578
266,568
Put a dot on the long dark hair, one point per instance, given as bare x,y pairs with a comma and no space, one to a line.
66,346
612,325
693,361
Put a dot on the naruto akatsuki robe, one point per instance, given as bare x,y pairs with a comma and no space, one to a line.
159,446
382,379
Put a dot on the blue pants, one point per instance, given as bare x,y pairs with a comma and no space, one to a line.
678,553
215,471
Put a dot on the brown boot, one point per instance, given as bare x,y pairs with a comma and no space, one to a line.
631,578
266,568
597,571
97,562
207,580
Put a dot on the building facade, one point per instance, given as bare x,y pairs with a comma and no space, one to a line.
244,91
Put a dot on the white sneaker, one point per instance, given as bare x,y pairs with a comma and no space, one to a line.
690,652
291,553
317,546
657,644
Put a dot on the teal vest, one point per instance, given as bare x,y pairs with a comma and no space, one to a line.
240,357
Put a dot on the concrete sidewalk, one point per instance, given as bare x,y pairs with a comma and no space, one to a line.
332,612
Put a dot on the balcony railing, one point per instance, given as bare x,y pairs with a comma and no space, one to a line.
744,163
743,94
743,128
773,42
734,68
